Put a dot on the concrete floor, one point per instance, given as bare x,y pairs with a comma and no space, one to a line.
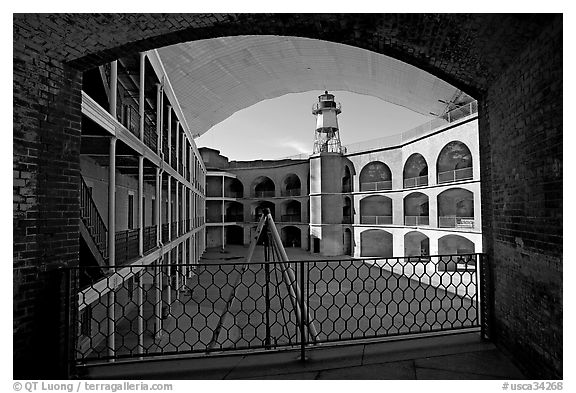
456,357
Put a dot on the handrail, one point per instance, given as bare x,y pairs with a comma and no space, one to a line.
376,220
92,218
416,220
455,175
416,181
376,185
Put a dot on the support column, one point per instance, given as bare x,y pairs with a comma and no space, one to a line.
169,132
141,102
178,147
141,205
111,244
169,209
112,99
159,117
158,206
177,210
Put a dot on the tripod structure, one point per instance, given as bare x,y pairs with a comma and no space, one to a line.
274,248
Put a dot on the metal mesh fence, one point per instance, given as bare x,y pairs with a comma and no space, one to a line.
166,309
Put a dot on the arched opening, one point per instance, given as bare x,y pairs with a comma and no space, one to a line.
346,180
347,241
291,236
415,171
347,211
263,187
416,244
376,210
456,209
260,207
234,235
416,209
376,243
454,163
292,212
459,245
291,185
233,188
375,176
234,212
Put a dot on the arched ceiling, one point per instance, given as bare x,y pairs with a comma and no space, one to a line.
216,77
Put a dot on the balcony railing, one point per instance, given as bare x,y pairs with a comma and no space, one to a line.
446,293
174,230
376,220
165,233
264,194
150,134
213,219
131,120
92,219
234,218
456,222
455,175
292,192
126,245
149,238
416,220
416,181
376,185
290,218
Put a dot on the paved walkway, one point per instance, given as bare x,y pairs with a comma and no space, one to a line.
462,356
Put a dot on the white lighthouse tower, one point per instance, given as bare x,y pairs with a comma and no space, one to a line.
327,135
330,180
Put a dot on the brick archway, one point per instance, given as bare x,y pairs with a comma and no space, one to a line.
513,70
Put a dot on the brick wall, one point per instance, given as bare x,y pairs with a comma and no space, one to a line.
521,155
46,203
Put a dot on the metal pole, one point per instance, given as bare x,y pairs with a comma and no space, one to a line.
140,205
111,244
302,331
139,301
267,279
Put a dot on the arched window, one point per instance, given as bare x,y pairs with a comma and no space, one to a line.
463,248
260,207
454,163
291,236
292,212
233,188
291,185
234,212
264,187
416,209
416,244
376,243
456,209
347,180
415,171
375,176
376,210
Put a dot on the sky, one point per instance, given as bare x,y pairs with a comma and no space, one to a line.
284,126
